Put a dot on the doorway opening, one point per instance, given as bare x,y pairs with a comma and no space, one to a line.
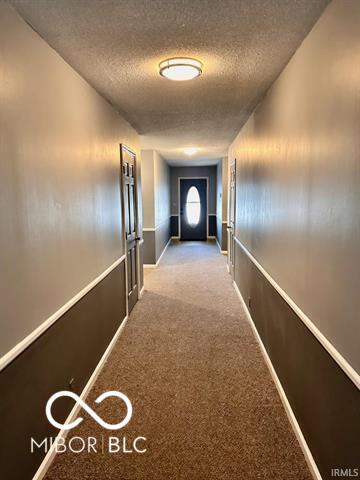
130,224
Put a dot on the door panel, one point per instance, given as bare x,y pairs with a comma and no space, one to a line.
232,216
128,177
193,209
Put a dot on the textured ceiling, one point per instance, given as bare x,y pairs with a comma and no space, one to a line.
116,45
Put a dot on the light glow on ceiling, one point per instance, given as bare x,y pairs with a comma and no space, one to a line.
180,68
190,150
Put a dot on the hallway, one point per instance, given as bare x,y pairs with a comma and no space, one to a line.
201,392
179,239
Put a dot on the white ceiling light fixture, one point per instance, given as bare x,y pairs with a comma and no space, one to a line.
180,68
190,150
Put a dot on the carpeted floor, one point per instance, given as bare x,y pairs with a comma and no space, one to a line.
201,392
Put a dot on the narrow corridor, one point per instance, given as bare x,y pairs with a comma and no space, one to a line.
201,392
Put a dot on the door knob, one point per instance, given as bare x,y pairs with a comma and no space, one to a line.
137,238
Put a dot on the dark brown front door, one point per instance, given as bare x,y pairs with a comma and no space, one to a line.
128,169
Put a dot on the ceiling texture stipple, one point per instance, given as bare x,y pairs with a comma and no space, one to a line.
117,45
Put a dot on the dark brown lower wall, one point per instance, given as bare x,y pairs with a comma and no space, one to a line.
212,225
149,247
221,234
71,348
162,237
141,260
155,242
174,225
325,401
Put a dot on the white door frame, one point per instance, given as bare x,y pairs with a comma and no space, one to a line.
207,202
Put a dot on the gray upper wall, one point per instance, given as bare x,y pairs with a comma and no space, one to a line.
219,190
156,189
298,178
162,190
147,158
225,187
59,181
176,172
222,189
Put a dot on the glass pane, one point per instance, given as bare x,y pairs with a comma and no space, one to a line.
193,195
193,207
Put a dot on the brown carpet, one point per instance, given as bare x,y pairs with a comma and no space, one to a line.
201,392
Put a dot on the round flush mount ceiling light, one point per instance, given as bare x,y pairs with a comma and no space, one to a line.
190,150
180,68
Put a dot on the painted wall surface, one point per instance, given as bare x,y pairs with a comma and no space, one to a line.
219,190
176,172
147,158
219,194
298,178
59,181
221,202
162,204
161,190
156,204
225,181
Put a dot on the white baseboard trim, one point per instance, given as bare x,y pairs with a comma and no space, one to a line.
154,265
289,412
29,339
162,254
142,291
176,237
45,464
329,347
153,229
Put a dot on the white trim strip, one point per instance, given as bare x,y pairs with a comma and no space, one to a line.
152,229
162,254
209,214
21,346
329,347
291,416
45,464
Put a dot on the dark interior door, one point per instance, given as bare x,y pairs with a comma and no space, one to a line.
193,209
130,222
232,216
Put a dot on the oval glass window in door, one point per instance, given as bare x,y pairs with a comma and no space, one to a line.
193,206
